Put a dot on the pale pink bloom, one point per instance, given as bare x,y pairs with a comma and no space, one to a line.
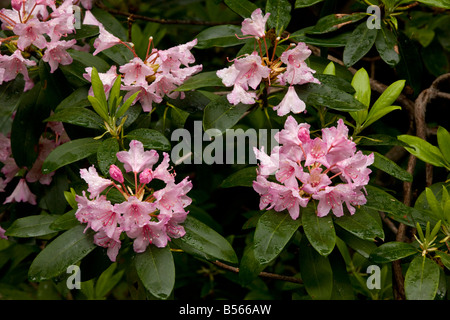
171,59
5,147
314,180
10,169
145,97
164,84
240,95
151,233
15,64
56,54
35,174
135,72
173,229
162,170
113,243
355,169
288,173
21,194
332,198
61,26
90,19
256,24
339,146
290,103
31,32
89,210
136,213
2,234
173,197
297,72
3,185
136,159
105,218
116,173
96,184
228,75
9,18
184,73
146,176
105,40
316,151
268,165
87,4
17,4
293,133
107,78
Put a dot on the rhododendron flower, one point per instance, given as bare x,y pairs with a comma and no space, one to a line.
256,24
15,64
31,32
2,234
327,170
108,78
152,218
56,54
105,40
21,193
290,103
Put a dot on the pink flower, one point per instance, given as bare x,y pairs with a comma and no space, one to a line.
136,159
240,95
146,95
5,147
15,64
135,72
256,25
146,176
113,243
35,174
314,180
21,194
108,78
172,58
161,172
105,40
355,169
293,133
96,184
31,32
151,233
297,72
116,173
173,197
136,213
56,54
290,103
268,164
2,234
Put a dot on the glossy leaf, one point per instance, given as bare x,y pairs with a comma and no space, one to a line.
201,80
77,99
391,251
305,3
273,232
319,231
423,150
67,249
316,272
422,279
385,164
241,178
220,114
219,36
202,241
361,84
280,15
244,8
156,269
361,224
65,222
334,22
443,137
359,44
32,226
70,152
78,116
151,139
106,154
249,267
386,44
445,4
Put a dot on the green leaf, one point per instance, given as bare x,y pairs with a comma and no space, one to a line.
156,269
78,116
244,8
107,281
219,36
422,279
99,108
151,139
330,69
443,138
126,105
392,251
241,178
106,154
359,44
316,272
280,15
445,4
363,247
99,93
76,99
386,44
32,226
70,152
423,150
445,258
361,84
273,232
305,3
319,231
410,66
361,224
390,167
67,249
383,105
249,267
89,60
66,221
202,241
201,80
334,22
220,114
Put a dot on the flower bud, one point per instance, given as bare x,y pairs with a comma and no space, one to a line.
146,176
116,173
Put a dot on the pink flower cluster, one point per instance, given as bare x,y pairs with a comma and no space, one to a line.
154,77
249,71
148,216
305,167
22,192
39,24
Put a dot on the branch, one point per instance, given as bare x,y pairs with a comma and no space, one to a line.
133,16
261,274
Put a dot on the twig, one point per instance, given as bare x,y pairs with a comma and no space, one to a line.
261,274
163,21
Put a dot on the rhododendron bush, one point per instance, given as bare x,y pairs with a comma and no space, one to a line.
231,149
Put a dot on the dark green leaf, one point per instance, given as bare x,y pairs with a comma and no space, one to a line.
392,251
319,231
70,152
244,8
106,154
443,137
220,114
88,60
390,167
280,15
334,22
32,226
445,258
67,249
219,36
410,66
361,224
305,3
250,267
241,178
423,150
151,139
359,44
65,222
273,232
201,80
316,272
76,99
202,241
156,269
78,116
386,44
445,4
422,279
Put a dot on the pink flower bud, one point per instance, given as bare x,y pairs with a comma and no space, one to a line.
116,173
146,176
